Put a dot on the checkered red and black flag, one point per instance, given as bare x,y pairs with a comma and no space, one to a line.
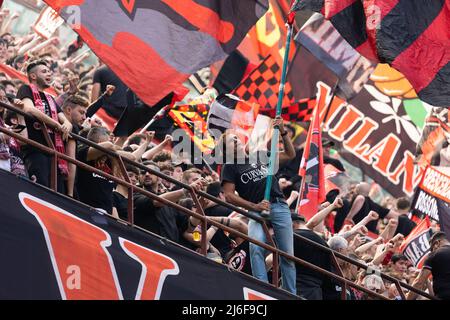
300,111
262,85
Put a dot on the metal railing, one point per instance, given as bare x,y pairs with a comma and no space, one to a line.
200,215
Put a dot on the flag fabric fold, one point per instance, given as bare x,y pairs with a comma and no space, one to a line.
153,46
311,170
412,36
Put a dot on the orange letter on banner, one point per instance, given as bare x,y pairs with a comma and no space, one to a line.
250,294
155,268
348,120
75,244
361,134
407,167
384,153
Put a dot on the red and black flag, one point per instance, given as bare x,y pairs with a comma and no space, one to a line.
262,85
153,46
412,36
301,111
416,246
233,70
229,112
192,119
312,192
137,114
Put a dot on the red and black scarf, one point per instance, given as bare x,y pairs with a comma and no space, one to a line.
58,140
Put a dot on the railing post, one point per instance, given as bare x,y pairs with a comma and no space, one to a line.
203,243
54,164
400,290
130,199
339,269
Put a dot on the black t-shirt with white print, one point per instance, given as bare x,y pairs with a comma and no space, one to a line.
250,180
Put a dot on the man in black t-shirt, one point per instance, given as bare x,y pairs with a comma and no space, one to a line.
309,282
405,225
113,104
43,107
158,218
120,194
362,205
248,176
437,265
94,189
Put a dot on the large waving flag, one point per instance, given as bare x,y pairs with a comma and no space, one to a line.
412,36
311,167
153,46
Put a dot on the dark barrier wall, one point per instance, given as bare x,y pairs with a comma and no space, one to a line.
54,248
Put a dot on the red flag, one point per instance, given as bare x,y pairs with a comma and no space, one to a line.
312,168
153,46
411,36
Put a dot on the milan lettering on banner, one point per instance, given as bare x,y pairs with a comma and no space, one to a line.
377,131
59,249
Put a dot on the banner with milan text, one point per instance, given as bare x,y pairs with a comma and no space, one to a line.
379,129
54,248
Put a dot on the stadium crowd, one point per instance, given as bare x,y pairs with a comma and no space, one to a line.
65,93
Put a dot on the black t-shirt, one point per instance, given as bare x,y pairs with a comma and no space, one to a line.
164,221
250,181
220,240
121,204
405,225
116,103
309,253
439,264
334,162
341,214
33,133
368,206
292,167
93,189
239,258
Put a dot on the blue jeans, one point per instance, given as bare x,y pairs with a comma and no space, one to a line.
281,220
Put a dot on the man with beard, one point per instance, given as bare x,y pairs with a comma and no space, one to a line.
43,107
158,218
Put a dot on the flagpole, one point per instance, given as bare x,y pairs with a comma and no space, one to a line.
275,136
161,113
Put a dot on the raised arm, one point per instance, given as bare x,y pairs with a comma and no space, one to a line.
98,99
356,206
143,147
321,215
365,247
160,147
289,152
381,253
419,283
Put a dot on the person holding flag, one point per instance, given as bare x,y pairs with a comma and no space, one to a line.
247,177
